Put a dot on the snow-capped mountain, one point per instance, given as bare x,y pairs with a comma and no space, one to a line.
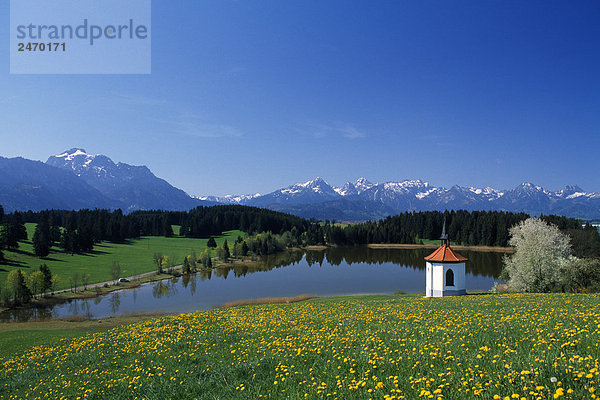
228,199
310,198
313,191
33,185
77,179
354,189
133,187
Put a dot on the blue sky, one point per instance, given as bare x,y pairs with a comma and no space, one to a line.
250,96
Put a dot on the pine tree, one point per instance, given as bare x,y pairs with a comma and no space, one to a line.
85,239
9,234
186,269
47,277
69,241
54,235
226,252
211,242
41,239
19,226
167,230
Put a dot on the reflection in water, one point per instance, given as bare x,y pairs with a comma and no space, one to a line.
222,272
115,302
334,271
28,314
164,288
193,286
487,264
204,275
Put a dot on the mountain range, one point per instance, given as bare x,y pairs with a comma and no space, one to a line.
75,179
362,200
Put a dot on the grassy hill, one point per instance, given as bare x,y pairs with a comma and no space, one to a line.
134,256
521,346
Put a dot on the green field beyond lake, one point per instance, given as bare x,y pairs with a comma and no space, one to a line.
134,256
522,346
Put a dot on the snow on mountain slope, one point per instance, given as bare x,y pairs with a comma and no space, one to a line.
136,187
100,182
416,195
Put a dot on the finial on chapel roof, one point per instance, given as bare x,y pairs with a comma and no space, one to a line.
444,236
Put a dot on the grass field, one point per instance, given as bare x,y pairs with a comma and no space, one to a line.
529,346
134,256
20,336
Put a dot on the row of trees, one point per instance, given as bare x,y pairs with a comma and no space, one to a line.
260,244
484,228
206,221
257,245
270,232
12,230
488,228
78,231
19,288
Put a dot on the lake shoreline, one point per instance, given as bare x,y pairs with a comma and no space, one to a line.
96,291
104,288
496,249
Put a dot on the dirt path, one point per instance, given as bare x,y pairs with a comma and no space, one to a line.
111,282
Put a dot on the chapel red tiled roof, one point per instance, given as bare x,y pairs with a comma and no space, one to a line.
445,254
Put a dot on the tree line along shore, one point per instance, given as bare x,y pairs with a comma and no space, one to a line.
88,246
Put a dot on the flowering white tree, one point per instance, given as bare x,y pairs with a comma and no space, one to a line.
541,250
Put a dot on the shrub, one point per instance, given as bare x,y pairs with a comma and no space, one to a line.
541,250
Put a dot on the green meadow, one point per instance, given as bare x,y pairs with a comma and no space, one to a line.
134,256
16,337
511,346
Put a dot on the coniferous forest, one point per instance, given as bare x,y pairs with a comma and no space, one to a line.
78,231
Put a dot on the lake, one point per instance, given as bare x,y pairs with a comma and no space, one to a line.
330,272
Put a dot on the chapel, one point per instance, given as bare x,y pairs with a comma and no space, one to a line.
445,271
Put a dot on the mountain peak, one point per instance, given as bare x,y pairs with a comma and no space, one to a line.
82,163
347,190
135,187
310,189
318,181
570,189
363,182
72,153
530,186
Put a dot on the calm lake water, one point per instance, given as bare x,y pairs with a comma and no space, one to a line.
331,272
